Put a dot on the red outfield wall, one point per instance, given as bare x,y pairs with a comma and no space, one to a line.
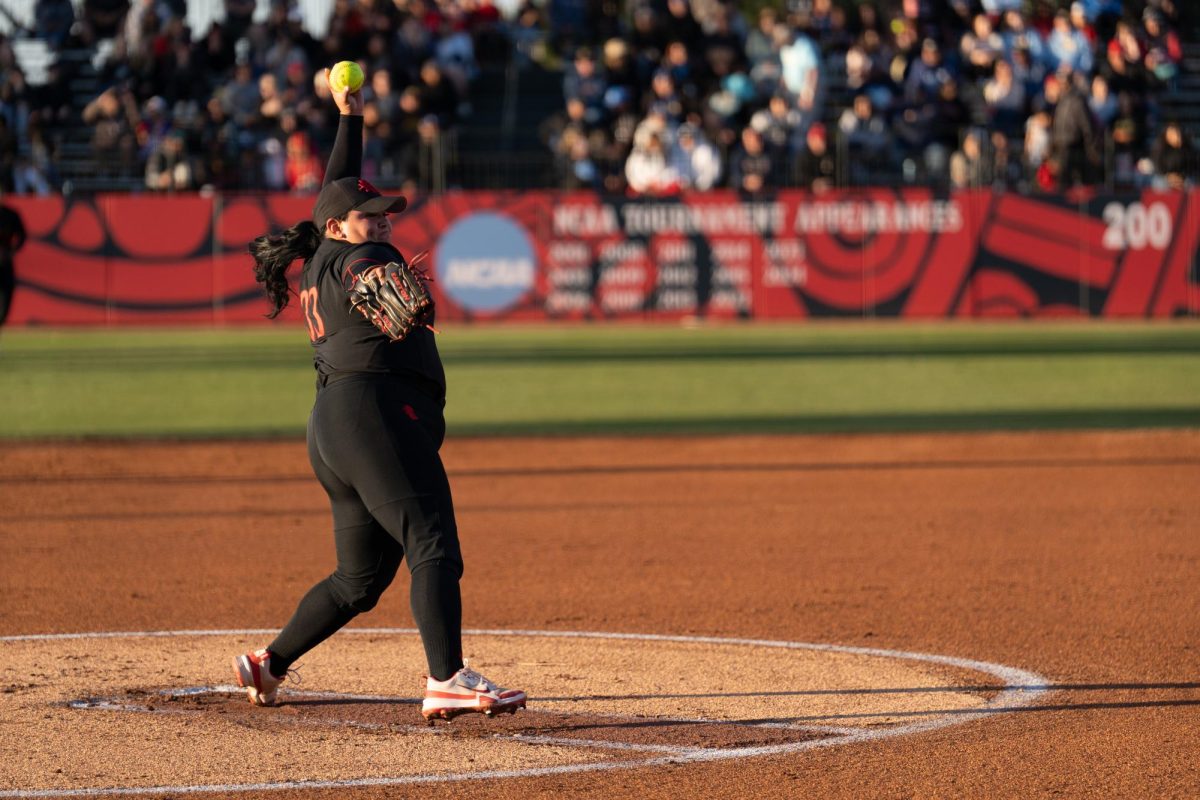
125,259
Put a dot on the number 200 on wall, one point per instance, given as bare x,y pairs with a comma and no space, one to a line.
1137,226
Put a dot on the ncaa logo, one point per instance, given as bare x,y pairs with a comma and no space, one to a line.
485,262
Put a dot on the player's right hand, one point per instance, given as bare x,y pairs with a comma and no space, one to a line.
349,103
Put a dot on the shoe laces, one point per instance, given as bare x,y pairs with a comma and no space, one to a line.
473,678
293,675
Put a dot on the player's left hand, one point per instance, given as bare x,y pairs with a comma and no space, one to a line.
349,103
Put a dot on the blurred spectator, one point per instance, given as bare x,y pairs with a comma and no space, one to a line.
241,97
926,133
1127,47
612,150
153,127
1103,15
271,163
968,166
139,26
439,98
767,71
104,17
303,170
648,170
179,74
647,37
14,101
1005,99
1128,135
270,106
927,74
821,20
950,116
406,135
1036,151
568,23
981,46
800,63
1019,36
52,21
752,169
33,172
1164,54
721,48
169,167
958,21
839,36
454,50
1174,159
219,146
774,124
815,166
1101,103
411,47
528,36
1124,76
1006,170
868,140
113,117
238,16
1080,22
694,159
619,67
53,102
869,20
582,81
1076,153
576,167
663,98
682,25
487,33
678,63
381,94
1069,48
760,41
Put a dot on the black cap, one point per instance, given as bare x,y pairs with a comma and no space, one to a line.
347,194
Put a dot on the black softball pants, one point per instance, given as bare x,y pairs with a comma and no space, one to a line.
373,443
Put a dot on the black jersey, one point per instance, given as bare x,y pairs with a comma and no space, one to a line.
344,341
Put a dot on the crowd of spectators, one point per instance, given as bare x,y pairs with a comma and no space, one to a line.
659,96
1029,94
244,104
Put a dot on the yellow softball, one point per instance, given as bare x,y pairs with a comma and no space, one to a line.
346,76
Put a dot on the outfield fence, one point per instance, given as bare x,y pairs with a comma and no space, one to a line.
119,259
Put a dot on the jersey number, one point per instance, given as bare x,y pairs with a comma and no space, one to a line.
312,317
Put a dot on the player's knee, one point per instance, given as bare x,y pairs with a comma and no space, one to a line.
452,565
357,595
365,602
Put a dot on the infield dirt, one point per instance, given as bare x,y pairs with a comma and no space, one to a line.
1073,555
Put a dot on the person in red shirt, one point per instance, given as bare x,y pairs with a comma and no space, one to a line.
302,170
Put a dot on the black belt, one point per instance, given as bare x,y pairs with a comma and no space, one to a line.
413,380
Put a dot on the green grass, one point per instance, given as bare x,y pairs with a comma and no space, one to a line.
626,379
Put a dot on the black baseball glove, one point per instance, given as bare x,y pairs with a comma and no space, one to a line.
394,297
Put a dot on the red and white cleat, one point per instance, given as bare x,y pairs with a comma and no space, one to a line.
465,692
253,674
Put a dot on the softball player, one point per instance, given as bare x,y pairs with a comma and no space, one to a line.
373,439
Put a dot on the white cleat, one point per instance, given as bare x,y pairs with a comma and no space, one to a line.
465,692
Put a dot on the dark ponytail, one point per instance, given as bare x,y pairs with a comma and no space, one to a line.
274,254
